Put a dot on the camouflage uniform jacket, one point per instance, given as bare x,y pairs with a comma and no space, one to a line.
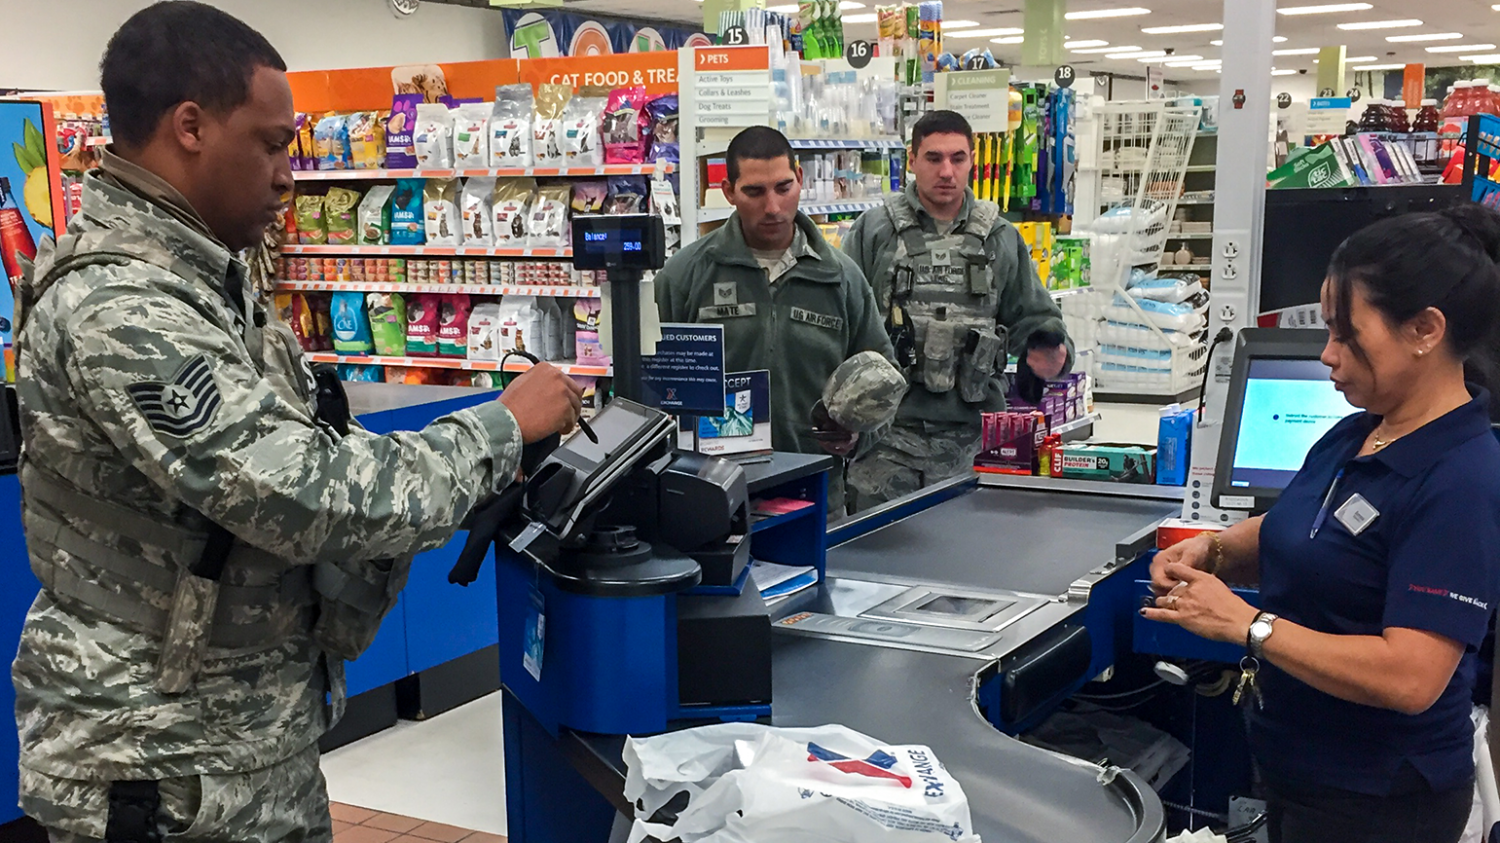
1017,302
151,384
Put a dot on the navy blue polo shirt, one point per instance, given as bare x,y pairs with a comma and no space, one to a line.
1430,561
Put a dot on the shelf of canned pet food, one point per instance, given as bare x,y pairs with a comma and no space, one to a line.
854,206
496,172
515,365
465,289
425,251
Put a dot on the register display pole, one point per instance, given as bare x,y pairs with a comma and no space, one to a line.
1239,214
625,325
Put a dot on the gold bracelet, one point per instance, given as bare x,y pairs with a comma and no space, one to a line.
1216,559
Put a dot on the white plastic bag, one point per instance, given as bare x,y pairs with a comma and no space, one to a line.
748,783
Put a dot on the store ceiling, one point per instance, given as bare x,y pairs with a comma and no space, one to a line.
1474,19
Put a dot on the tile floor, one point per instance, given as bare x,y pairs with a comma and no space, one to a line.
352,824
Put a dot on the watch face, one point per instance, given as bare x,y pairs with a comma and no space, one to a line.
1260,629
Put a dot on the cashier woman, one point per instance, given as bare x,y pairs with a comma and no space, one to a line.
1379,567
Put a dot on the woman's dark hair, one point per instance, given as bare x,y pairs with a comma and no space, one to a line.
1444,259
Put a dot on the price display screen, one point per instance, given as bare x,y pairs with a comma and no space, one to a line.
627,241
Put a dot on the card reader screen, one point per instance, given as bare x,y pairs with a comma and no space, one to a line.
950,604
615,426
1289,405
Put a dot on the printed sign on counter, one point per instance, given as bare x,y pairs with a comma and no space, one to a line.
745,426
686,374
982,96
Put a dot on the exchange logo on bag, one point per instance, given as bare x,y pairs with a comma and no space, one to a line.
877,766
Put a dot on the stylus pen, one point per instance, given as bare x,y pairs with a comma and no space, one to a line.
588,431
1333,489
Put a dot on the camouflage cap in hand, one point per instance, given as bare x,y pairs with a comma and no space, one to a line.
864,392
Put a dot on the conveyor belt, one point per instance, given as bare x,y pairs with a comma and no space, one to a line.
1000,539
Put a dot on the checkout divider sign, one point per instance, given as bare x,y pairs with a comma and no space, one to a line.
686,374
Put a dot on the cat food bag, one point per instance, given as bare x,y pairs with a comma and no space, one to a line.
471,135
432,139
484,380
588,197
512,203
366,140
374,216
484,332
510,126
303,324
580,128
546,125
661,138
408,223
360,373
622,125
453,325
312,228
422,313
476,211
547,221
331,142
400,151
338,213
440,207
587,348
387,323
351,328
552,330
628,195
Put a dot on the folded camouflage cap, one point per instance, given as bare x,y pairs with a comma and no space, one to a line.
864,392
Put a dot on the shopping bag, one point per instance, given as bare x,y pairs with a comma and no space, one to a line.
748,783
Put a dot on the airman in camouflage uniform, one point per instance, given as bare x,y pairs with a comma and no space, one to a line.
956,292
167,421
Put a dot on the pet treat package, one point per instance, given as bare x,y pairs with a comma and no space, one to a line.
309,323
580,129
387,323
547,221
477,213
408,225
422,313
510,126
400,153
471,135
366,140
588,197
331,142
351,328
338,213
587,348
662,137
375,216
432,139
622,126
512,202
627,195
312,228
546,126
440,205
484,331
453,325
307,156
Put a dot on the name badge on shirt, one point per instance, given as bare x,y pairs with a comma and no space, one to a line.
1357,514
726,311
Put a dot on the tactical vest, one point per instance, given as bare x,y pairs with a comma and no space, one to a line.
108,559
941,301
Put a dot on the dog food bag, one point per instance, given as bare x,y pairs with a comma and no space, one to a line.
546,125
432,139
331,142
547,221
512,202
366,140
622,126
477,213
440,208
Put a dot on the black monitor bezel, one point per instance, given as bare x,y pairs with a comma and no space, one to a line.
653,253
1255,344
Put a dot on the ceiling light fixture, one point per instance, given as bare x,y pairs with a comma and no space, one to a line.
1380,67
1460,48
1130,11
1327,9
1414,39
1348,60
1138,54
1381,24
1080,46
1187,27
1489,58
959,24
1288,71
985,33
1009,39
1299,51
1164,59
1109,50
1191,62
1217,43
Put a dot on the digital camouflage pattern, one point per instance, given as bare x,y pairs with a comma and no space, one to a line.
864,392
142,292
911,456
195,809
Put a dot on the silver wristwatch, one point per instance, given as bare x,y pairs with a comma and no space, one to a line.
1260,630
